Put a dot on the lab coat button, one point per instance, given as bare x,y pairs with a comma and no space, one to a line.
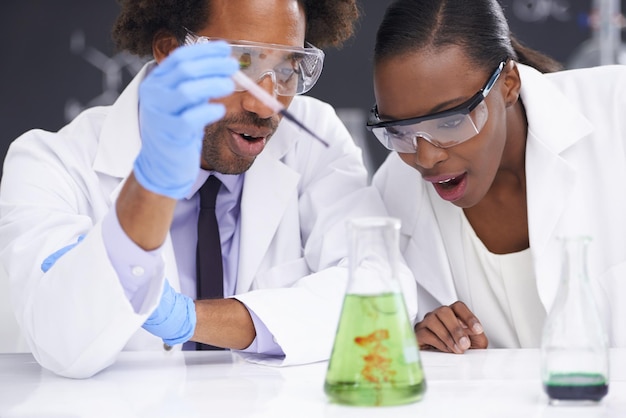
137,271
167,347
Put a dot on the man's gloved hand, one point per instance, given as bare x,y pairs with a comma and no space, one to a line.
174,109
174,320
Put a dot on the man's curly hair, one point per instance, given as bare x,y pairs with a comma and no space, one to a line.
329,23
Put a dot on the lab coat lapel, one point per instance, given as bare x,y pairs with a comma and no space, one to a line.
120,141
268,187
550,179
119,145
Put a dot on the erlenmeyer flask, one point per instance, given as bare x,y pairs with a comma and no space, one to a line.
375,358
574,347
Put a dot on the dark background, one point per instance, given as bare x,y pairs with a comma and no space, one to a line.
58,58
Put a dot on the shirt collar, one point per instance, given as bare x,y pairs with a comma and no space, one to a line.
232,182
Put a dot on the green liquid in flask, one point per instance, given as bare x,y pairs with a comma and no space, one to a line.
375,359
576,387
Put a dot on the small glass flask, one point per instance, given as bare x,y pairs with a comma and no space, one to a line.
574,347
375,359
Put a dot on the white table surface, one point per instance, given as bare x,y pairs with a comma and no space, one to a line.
480,383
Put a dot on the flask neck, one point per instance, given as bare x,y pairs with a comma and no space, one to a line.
574,298
374,256
575,261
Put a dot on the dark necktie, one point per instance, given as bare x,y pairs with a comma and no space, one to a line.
209,271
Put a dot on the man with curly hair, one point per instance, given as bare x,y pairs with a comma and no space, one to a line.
98,222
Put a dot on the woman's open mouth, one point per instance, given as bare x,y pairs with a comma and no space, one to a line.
451,188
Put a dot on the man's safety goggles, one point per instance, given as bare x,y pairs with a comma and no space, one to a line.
293,70
443,129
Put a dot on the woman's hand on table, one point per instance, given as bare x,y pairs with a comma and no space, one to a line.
451,329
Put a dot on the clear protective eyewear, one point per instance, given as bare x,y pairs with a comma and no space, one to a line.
293,70
443,129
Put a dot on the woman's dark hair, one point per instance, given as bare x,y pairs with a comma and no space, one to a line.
328,22
477,26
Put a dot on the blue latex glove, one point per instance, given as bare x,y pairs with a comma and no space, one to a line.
174,320
174,109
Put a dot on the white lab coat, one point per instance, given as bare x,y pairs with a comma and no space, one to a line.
296,198
575,176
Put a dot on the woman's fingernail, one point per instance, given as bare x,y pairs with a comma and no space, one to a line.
465,343
477,328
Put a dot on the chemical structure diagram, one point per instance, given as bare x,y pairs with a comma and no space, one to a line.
112,69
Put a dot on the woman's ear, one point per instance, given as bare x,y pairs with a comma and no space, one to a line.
163,43
512,83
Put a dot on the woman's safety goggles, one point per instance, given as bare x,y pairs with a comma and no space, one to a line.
293,70
443,129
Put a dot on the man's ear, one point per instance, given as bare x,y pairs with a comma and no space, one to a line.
512,83
163,43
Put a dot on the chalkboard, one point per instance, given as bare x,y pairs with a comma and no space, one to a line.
58,58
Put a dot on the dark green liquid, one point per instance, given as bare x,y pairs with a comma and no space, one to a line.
576,387
375,359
